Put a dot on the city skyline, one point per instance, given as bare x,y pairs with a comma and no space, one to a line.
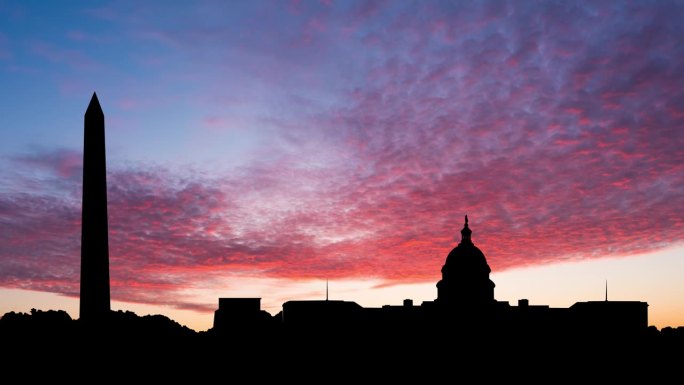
354,158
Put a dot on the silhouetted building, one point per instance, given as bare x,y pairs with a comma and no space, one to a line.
326,312
465,275
94,302
610,316
236,314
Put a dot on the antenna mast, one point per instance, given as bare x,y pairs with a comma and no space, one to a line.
606,290
326,289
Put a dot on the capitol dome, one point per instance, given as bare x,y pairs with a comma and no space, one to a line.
465,274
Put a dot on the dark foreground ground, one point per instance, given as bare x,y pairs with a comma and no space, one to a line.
130,348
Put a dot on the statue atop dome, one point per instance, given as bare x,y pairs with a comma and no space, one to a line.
465,233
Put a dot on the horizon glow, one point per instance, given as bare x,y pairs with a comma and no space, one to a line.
556,285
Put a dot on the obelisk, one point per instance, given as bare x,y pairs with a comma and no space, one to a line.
94,228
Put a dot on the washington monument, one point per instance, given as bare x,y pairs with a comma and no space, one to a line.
94,228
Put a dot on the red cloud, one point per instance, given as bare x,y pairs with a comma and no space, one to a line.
169,232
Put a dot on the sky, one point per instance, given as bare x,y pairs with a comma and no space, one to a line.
258,149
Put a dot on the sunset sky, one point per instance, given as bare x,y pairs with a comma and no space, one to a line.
260,148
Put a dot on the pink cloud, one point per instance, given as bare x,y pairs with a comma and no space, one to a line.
76,35
128,103
220,123
62,163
